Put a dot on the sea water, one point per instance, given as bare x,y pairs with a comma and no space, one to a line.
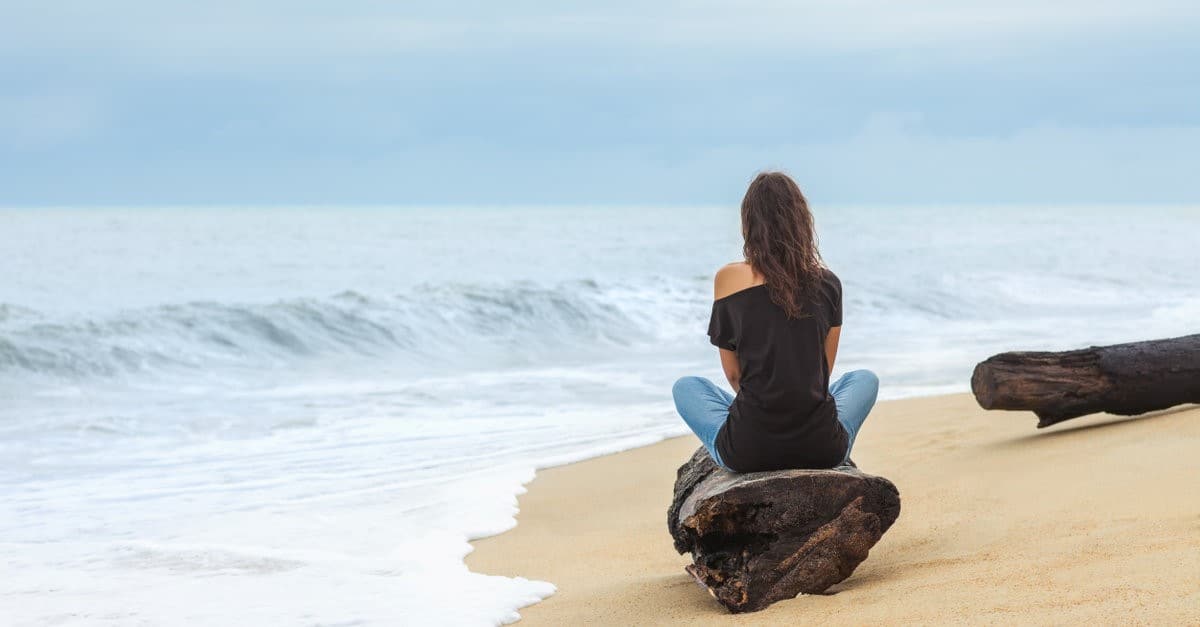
300,416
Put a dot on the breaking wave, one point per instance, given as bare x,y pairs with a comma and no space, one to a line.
469,325
432,322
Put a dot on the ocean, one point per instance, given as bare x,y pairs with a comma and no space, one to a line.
300,416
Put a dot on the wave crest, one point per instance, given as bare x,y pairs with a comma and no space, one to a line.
439,322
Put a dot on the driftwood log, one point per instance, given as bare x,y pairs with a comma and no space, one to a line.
1125,379
758,538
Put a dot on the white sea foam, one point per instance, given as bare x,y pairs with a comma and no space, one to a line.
209,418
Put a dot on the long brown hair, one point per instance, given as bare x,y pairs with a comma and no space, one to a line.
780,241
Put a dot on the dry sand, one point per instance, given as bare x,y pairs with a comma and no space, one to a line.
1095,520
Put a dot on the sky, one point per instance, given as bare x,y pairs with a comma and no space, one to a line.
296,102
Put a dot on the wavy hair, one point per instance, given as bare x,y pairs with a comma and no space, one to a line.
780,241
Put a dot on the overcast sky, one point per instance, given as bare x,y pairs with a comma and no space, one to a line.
298,102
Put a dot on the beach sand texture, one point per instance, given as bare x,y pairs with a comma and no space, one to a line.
1095,520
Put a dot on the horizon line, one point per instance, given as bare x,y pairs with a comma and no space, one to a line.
593,206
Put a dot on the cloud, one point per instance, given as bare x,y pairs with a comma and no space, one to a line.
483,102
888,160
889,157
46,119
229,36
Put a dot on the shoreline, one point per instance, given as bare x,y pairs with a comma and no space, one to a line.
1094,519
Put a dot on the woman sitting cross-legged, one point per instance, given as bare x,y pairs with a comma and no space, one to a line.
776,318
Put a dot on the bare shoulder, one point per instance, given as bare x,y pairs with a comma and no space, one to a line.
734,277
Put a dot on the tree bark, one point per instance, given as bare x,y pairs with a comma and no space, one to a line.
761,537
1124,379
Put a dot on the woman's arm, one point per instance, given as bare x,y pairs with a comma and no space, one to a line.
731,278
733,371
831,345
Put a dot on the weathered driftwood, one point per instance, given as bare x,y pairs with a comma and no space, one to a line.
1125,379
758,538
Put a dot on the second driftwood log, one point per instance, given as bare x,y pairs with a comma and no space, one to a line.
1124,379
761,537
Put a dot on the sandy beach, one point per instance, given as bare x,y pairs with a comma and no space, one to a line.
1095,520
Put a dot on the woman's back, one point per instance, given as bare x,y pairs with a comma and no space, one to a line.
777,319
783,415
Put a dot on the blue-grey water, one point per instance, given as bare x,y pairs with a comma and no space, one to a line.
260,416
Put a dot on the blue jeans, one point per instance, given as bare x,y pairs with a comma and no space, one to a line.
705,407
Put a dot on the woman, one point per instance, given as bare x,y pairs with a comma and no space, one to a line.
776,319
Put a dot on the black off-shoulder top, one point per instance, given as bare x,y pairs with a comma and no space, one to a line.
783,415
